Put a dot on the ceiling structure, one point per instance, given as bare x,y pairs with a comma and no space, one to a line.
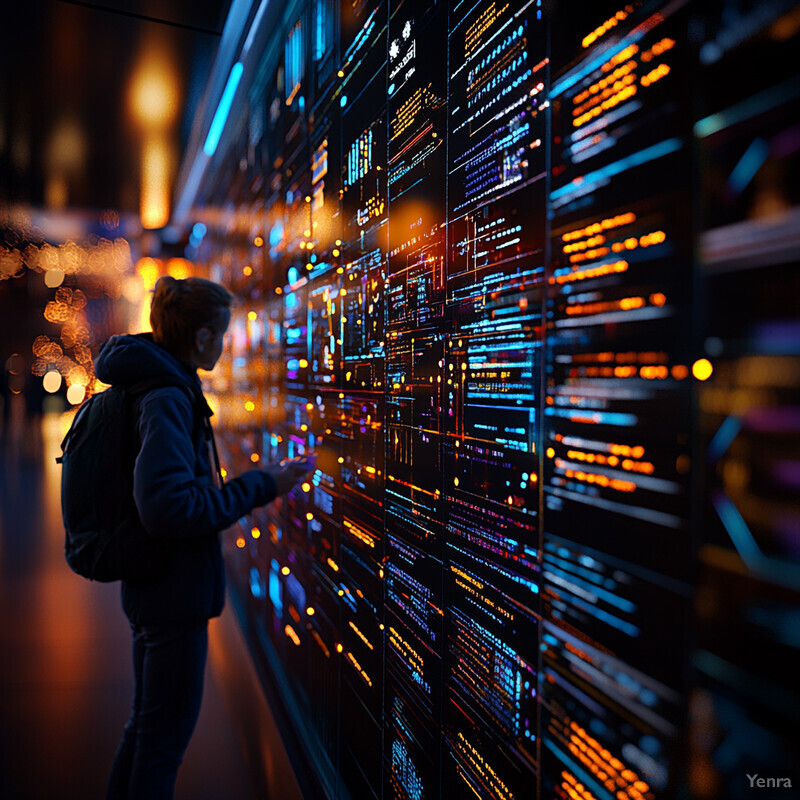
72,123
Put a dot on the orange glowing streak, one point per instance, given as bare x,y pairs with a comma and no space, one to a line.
625,304
154,205
591,272
603,29
292,634
596,227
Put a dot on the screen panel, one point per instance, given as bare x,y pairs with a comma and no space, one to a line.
521,275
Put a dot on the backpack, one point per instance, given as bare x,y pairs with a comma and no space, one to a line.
105,540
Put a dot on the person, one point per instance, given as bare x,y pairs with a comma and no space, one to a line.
180,502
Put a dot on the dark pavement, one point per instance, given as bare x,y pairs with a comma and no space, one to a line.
65,673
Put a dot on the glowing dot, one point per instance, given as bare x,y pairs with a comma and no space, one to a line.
258,241
335,253
303,363
278,290
75,394
285,570
308,200
309,516
52,381
341,594
254,458
248,271
339,648
702,369
679,372
341,460
53,278
252,316
306,487
310,611
224,473
338,242
240,542
455,481
250,406
255,533
550,452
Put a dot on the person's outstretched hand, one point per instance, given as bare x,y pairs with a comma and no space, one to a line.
289,472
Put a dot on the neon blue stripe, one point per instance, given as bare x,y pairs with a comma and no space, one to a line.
737,528
223,109
749,164
634,160
724,436
781,94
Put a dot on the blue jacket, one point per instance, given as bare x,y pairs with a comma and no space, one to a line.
174,487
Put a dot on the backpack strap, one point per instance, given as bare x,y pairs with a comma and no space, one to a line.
210,436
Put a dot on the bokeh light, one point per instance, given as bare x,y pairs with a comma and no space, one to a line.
52,381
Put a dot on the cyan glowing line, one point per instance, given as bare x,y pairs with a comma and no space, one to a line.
725,434
737,529
749,164
570,80
615,168
566,578
782,94
223,109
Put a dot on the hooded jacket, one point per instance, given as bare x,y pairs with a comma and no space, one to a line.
174,487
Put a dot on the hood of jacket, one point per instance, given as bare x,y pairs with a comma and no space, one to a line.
125,360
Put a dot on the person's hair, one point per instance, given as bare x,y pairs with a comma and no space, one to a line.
181,307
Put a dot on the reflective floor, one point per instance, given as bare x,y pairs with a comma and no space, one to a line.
65,674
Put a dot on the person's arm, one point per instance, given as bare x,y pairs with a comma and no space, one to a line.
172,501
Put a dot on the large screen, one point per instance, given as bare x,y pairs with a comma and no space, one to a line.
523,275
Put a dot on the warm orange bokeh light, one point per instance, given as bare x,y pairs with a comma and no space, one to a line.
702,369
154,202
179,268
154,94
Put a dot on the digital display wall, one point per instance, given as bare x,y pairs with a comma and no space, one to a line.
521,275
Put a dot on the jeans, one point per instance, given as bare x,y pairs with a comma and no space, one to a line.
168,662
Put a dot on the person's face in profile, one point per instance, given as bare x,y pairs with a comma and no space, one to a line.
210,341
